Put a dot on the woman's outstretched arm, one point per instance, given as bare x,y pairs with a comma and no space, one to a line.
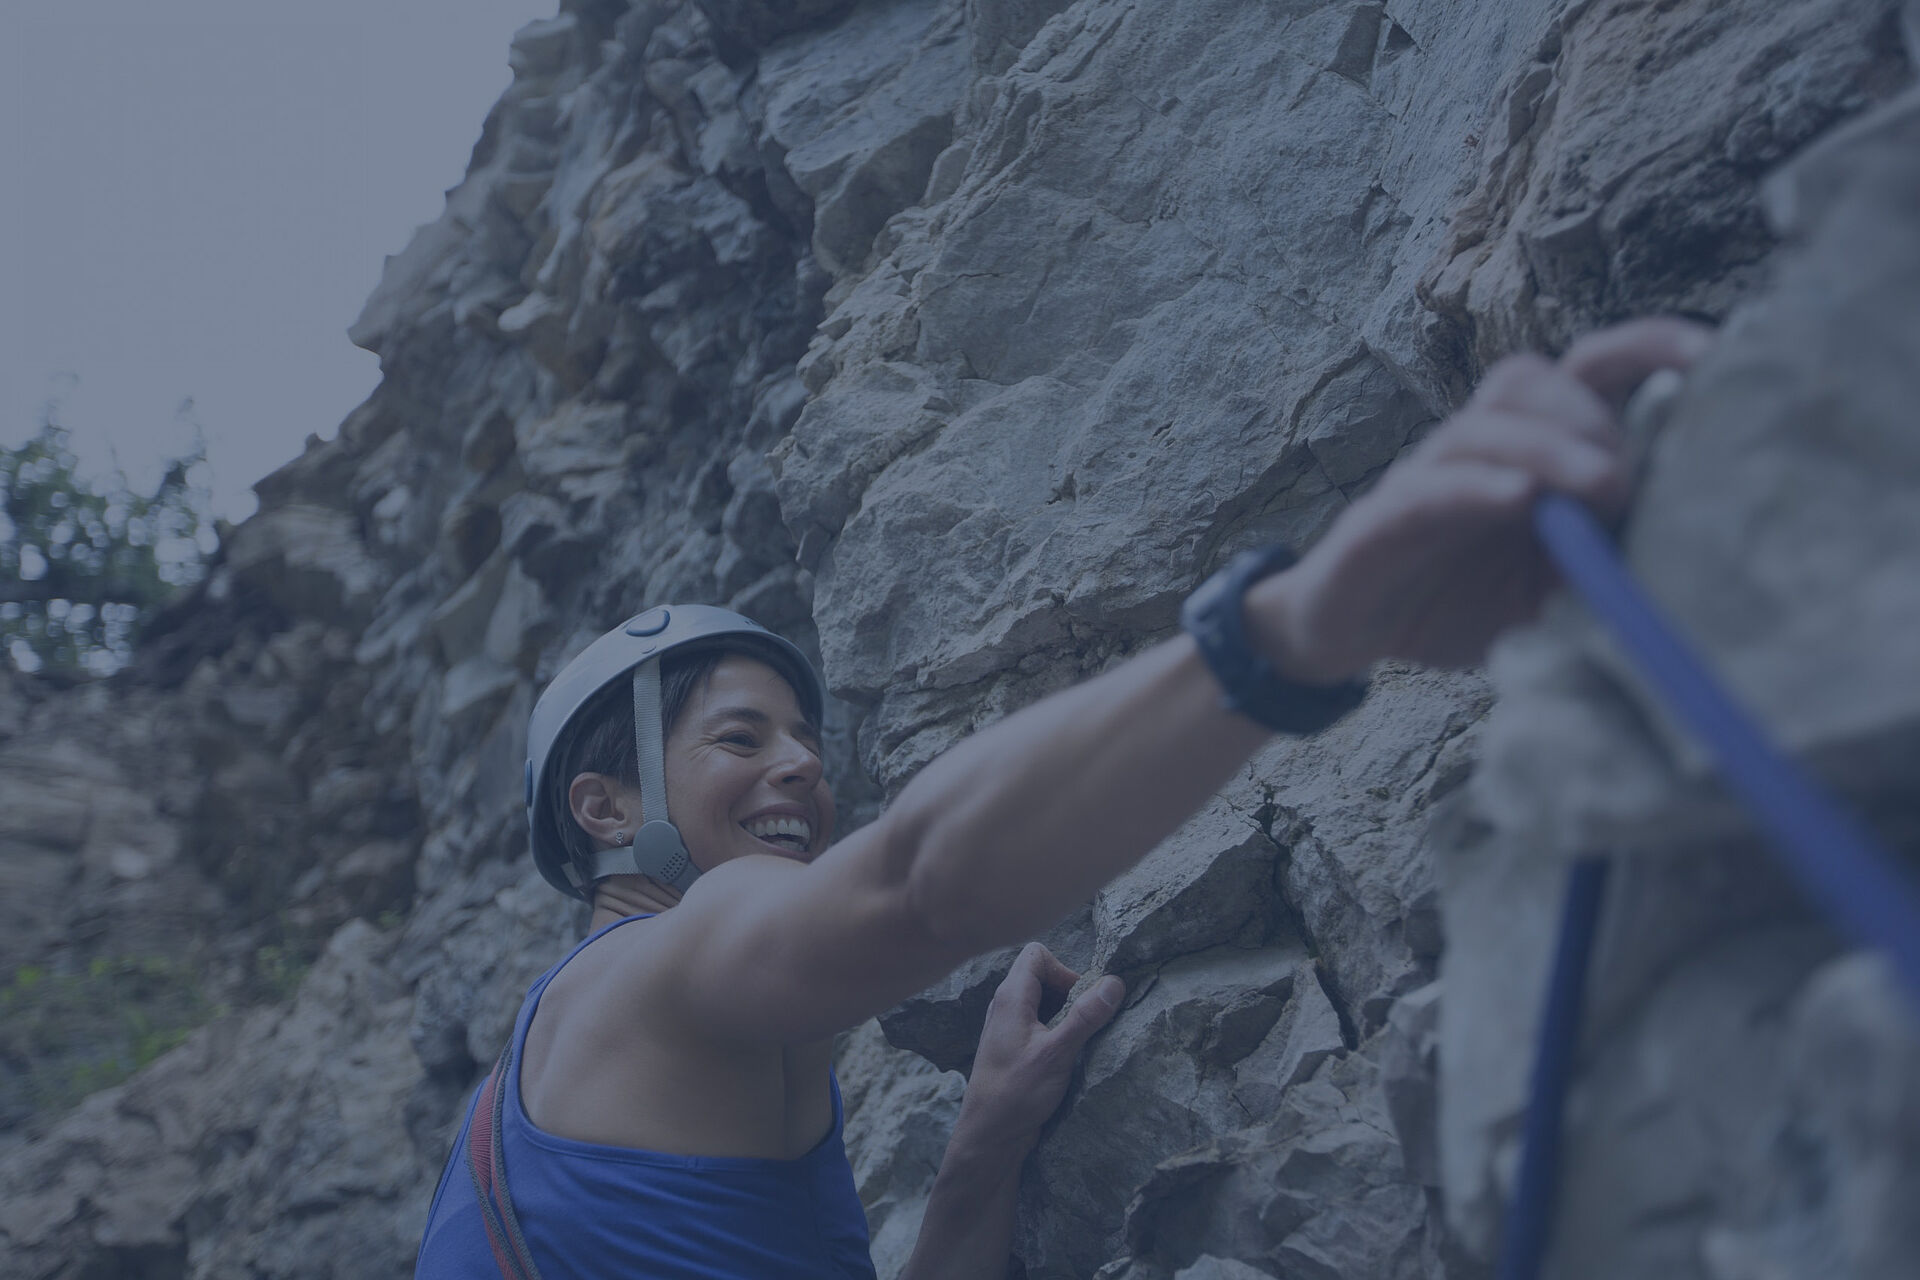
1006,833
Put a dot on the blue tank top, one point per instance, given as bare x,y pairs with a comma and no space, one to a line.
591,1210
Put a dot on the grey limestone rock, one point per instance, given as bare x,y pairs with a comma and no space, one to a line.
1211,883
309,560
860,112
1316,1191
262,1145
1856,1049
1623,175
957,339
1776,505
751,24
1158,1082
900,1109
1208,1267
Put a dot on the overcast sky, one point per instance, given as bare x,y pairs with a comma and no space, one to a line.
196,197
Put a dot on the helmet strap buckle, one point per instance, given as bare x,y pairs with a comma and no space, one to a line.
658,851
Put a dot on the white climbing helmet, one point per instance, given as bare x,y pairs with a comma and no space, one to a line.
635,648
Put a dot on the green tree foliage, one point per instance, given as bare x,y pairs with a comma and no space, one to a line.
82,564
64,1035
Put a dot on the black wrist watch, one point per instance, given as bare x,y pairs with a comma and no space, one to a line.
1214,615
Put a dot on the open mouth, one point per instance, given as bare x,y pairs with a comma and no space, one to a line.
788,835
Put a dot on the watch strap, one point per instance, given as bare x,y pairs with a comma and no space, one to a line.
1215,616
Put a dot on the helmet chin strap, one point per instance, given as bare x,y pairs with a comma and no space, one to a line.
658,850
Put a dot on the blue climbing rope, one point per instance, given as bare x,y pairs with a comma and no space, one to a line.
1530,1217
1843,868
1855,880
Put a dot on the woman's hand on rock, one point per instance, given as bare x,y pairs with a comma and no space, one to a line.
1020,1074
1439,557
1022,1067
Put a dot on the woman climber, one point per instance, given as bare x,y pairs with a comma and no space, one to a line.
665,1106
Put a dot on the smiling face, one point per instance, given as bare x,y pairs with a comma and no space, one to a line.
744,773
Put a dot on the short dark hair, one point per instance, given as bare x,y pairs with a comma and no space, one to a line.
601,740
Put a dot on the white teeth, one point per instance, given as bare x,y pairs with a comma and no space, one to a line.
771,828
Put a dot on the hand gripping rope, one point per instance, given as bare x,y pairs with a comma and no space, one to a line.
1837,863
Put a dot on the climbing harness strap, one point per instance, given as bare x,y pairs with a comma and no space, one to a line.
486,1162
1835,860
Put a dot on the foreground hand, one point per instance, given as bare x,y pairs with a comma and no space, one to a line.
1439,557
1021,1069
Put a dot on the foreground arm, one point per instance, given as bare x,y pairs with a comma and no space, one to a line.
1019,1076
1009,831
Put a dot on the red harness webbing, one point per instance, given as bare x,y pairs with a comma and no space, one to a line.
487,1164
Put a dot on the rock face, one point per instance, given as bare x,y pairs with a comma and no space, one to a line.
1712,962
957,339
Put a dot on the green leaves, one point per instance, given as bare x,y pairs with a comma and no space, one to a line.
64,1035
81,567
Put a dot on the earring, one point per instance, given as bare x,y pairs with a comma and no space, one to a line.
619,837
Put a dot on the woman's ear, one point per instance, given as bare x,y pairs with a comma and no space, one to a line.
605,809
